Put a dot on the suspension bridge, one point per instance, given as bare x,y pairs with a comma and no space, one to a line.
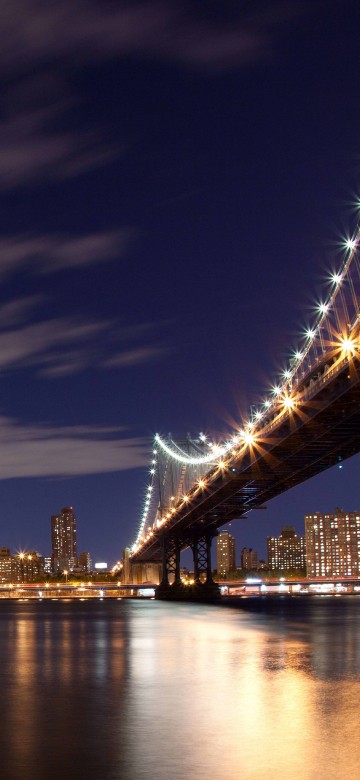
308,422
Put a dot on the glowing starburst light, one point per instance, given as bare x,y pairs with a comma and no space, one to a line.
201,483
276,390
248,437
310,334
323,308
336,278
288,402
350,244
348,345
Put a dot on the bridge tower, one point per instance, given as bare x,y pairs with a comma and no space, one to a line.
172,481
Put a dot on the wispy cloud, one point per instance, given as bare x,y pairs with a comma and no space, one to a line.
133,357
63,346
50,253
40,30
32,148
43,450
40,135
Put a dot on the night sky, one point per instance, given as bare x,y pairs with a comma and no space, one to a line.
175,181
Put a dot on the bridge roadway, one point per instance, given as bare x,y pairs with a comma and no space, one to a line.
249,586
46,590
320,430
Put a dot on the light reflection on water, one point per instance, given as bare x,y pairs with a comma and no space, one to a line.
147,690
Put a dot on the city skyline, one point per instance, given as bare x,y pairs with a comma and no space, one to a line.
175,185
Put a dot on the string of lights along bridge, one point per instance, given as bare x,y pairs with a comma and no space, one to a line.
308,421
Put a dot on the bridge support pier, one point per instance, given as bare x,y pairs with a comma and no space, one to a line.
204,588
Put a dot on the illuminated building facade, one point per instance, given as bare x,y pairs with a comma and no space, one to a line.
63,540
5,565
333,544
85,562
249,559
24,567
286,552
225,553
28,567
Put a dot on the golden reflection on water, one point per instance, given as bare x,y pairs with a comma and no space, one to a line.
151,691
242,698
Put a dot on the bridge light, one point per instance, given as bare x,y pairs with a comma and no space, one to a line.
217,450
186,498
248,437
287,374
288,402
298,355
276,390
201,483
267,404
323,308
336,278
258,415
310,334
348,345
221,464
350,244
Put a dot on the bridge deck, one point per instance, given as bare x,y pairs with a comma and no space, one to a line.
322,430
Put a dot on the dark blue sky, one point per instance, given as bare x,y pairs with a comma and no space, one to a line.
175,179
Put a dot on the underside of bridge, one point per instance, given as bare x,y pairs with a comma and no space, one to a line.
323,430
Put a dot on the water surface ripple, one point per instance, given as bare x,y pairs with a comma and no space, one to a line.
143,690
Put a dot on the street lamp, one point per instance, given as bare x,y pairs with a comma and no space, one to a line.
66,575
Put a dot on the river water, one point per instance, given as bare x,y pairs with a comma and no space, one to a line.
265,689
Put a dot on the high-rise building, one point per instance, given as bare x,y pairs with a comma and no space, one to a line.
287,551
63,540
5,565
225,553
249,559
333,544
85,562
